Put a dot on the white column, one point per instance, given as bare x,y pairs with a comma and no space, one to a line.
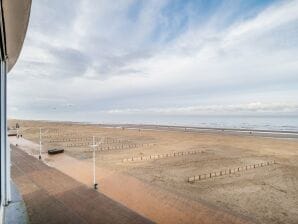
2,132
4,146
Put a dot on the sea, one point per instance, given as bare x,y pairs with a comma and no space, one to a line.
268,123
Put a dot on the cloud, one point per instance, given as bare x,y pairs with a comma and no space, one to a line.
257,107
156,54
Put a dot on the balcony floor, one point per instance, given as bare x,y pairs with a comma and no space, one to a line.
16,211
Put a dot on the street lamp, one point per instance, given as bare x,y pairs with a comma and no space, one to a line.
39,157
94,174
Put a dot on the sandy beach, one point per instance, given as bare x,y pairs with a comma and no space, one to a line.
158,187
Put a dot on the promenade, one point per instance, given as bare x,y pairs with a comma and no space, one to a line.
53,197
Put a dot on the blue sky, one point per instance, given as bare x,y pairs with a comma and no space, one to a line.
105,60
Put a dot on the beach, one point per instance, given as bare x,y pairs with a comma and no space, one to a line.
147,169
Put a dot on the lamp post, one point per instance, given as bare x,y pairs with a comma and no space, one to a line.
39,157
94,167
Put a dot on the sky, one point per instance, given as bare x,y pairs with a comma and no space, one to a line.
114,61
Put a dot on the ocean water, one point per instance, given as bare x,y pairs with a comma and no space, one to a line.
270,123
273,123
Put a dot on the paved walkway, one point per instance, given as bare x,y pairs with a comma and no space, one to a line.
53,197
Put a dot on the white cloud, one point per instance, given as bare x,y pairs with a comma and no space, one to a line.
256,107
96,58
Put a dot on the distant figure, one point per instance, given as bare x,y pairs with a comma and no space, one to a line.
17,126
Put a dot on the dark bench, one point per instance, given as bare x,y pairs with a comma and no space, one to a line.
55,151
